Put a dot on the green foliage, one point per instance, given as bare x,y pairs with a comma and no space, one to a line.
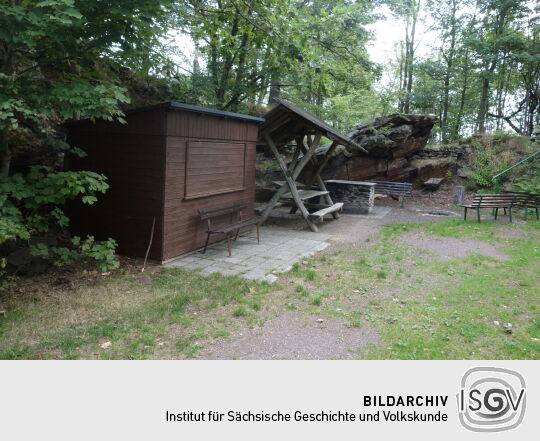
252,53
529,181
60,60
101,254
486,162
33,203
481,72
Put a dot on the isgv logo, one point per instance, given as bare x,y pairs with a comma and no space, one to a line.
491,399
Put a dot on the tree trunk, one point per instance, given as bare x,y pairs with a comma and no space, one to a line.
410,60
483,106
227,66
448,74
5,154
275,89
240,69
463,96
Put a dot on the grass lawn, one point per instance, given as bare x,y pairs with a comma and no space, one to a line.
422,305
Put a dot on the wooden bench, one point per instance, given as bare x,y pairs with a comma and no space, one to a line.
332,209
493,201
210,213
394,189
322,209
526,201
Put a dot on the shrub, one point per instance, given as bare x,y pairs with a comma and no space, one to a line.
101,253
529,182
33,204
486,163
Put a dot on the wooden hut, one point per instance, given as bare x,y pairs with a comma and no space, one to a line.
167,162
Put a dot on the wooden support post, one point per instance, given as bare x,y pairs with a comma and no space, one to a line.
320,166
290,179
229,244
296,157
316,177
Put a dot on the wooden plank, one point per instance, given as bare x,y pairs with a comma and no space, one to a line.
260,210
220,210
305,194
282,183
318,215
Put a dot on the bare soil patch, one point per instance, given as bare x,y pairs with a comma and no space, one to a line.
448,247
295,336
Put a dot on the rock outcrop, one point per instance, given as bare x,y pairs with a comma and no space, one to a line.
392,143
394,136
436,161
397,151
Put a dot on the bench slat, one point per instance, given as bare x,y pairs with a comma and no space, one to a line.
393,188
220,210
305,194
331,209
228,228
523,199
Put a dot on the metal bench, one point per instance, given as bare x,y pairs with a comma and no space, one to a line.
493,201
394,189
210,213
526,201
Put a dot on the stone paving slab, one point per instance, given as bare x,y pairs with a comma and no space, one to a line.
279,249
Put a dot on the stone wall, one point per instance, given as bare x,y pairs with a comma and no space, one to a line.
357,197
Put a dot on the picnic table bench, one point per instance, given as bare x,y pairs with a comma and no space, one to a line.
394,189
493,201
210,213
526,201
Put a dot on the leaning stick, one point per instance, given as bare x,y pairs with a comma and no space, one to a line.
149,244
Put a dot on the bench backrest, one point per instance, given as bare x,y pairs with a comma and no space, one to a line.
395,188
493,200
220,210
524,199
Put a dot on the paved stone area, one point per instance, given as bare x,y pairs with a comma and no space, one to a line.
279,249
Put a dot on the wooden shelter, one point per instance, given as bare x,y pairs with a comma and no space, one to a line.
286,123
166,163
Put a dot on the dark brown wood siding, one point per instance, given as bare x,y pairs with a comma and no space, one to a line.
227,147
148,162
132,156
